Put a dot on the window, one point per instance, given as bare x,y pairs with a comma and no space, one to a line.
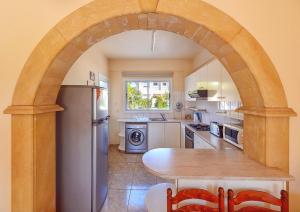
147,95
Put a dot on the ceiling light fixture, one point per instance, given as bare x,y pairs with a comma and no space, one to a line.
153,40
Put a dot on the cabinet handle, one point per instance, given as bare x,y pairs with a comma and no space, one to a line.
221,97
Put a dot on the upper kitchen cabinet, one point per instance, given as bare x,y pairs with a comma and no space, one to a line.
190,84
214,78
229,90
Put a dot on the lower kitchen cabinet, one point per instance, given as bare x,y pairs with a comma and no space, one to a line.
199,143
182,141
156,135
172,135
163,135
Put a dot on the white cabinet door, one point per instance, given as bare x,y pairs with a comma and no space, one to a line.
172,135
200,143
214,80
156,135
229,90
190,85
199,78
182,140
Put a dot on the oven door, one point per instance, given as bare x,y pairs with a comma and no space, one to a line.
189,139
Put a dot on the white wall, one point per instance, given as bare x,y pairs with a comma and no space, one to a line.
117,104
92,60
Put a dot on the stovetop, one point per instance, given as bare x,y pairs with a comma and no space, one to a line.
200,127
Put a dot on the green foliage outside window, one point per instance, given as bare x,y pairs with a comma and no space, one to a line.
137,101
134,99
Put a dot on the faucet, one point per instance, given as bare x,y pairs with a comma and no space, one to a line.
163,116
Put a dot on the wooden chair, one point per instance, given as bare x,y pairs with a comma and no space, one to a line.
258,196
196,194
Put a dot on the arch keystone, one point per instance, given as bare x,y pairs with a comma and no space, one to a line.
148,5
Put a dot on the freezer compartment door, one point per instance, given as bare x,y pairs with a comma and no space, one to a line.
100,164
100,103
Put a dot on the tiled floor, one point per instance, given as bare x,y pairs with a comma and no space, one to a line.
128,182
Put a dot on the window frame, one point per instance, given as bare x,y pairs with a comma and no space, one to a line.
147,80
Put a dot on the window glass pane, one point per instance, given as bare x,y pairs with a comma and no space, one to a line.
148,95
137,95
159,96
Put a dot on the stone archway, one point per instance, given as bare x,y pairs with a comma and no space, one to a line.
34,101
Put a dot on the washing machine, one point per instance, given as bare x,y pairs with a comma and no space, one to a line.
136,137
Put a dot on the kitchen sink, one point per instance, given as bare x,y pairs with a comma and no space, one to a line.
157,119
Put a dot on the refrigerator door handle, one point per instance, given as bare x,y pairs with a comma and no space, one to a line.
99,121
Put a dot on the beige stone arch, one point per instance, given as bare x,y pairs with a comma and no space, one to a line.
34,101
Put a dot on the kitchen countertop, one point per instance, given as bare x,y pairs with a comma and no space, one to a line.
143,120
172,163
218,143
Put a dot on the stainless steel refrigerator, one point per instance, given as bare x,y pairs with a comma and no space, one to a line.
82,148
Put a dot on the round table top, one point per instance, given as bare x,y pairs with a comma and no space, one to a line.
171,163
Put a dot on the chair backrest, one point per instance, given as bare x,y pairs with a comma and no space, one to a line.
258,196
196,194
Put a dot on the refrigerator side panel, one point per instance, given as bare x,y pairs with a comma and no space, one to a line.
101,165
74,150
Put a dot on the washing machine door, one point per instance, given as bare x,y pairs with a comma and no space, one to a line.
136,137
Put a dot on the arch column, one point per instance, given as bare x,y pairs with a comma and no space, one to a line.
266,135
33,158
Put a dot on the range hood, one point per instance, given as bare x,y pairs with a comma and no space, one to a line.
202,94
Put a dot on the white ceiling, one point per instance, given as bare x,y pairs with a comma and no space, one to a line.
137,44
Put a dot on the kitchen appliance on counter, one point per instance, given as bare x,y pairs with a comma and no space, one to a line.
136,137
189,138
82,148
216,129
197,117
233,134
198,124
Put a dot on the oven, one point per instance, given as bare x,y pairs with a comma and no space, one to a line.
189,138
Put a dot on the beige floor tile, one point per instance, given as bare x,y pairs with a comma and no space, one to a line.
121,168
137,201
140,158
141,178
117,201
128,182
118,157
120,181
